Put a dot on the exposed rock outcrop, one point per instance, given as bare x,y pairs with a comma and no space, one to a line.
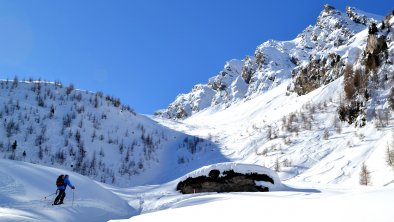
375,51
230,182
248,69
318,72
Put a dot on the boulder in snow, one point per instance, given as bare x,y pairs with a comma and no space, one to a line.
229,177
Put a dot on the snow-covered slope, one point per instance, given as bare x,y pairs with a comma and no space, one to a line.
323,121
24,188
328,205
300,134
94,135
292,202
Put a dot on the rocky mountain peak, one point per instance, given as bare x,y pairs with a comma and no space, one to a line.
328,8
315,57
361,17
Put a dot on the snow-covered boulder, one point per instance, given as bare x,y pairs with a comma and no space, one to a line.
230,177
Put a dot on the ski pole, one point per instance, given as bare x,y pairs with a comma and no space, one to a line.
50,195
72,205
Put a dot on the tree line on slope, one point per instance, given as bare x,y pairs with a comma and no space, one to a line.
50,124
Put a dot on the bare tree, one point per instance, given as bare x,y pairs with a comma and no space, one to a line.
40,153
269,132
94,135
337,125
15,82
348,79
69,89
382,117
287,163
277,165
365,175
326,134
390,98
390,156
390,152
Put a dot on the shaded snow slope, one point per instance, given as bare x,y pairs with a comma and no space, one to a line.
94,135
24,186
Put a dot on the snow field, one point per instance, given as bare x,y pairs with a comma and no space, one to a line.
24,186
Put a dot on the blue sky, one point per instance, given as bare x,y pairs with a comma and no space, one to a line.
145,52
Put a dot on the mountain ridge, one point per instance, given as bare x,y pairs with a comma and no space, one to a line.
274,61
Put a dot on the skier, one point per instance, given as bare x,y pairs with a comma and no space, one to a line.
61,183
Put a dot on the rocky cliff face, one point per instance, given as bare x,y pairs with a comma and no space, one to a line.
366,79
317,56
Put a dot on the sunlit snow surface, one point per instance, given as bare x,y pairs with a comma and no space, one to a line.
328,204
24,188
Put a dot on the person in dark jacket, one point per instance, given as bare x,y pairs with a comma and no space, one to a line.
61,186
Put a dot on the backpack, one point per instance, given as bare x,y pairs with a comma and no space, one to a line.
60,181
